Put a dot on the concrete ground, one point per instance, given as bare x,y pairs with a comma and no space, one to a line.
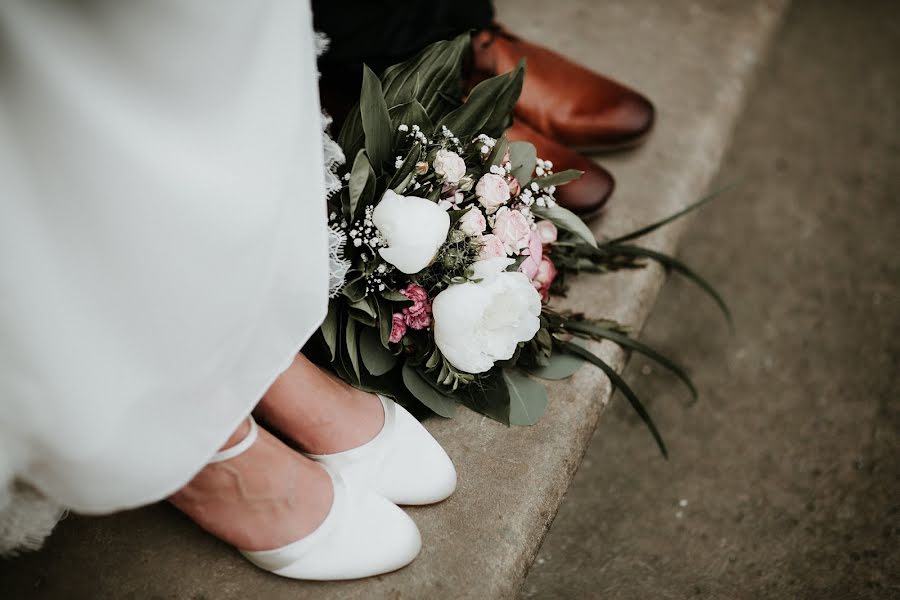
783,479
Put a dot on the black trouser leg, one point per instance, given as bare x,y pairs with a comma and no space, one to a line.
380,34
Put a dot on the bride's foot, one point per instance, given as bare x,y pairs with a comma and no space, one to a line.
318,411
289,516
266,497
368,439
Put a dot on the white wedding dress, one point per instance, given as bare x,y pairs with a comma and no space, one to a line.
163,240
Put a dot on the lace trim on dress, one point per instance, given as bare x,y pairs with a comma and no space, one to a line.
334,158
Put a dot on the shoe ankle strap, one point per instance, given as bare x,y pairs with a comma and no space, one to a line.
239,448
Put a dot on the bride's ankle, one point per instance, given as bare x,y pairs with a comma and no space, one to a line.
319,412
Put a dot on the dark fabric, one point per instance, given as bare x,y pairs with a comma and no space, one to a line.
380,34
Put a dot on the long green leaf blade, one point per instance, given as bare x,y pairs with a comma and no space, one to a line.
654,226
619,383
376,122
632,344
675,265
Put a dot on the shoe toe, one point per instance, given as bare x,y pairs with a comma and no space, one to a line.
626,121
372,537
589,193
417,470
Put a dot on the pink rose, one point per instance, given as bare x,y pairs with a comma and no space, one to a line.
513,229
545,276
547,231
449,166
398,328
492,191
472,223
417,316
535,252
492,247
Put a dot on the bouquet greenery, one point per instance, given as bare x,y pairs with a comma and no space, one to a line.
454,244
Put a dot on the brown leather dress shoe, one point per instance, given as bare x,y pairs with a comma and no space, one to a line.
586,195
564,100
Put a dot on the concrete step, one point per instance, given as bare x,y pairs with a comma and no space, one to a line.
696,60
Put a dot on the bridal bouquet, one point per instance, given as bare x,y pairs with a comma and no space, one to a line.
454,245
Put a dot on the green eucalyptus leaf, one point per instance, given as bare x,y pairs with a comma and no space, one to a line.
377,359
416,383
522,158
560,178
565,219
376,121
560,365
527,398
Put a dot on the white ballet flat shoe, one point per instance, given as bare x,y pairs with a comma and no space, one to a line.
362,535
403,462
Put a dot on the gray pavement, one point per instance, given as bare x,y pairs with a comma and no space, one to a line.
788,466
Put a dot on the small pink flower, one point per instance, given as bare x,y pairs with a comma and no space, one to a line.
513,229
547,231
449,166
417,316
472,223
398,328
492,247
514,187
545,276
531,265
419,321
492,191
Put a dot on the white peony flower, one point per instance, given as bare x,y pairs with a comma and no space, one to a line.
472,223
449,166
414,228
477,324
492,191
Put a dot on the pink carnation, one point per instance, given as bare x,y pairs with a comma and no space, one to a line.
398,328
417,316
545,276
